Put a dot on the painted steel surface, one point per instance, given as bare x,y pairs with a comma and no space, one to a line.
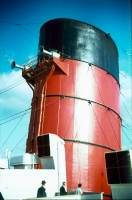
80,103
79,120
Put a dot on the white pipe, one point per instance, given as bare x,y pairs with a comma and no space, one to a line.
6,160
61,163
9,155
58,166
47,52
52,53
33,159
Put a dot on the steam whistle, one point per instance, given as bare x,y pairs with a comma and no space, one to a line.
41,50
14,65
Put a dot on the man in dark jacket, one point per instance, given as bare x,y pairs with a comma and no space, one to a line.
62,189
42,191
1,197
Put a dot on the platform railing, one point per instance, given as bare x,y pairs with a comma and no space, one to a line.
31,62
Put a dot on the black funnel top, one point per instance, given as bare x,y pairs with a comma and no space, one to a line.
82,42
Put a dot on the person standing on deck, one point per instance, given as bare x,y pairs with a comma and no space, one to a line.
42,191
63,190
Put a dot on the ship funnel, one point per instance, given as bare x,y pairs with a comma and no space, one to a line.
14,65
52,53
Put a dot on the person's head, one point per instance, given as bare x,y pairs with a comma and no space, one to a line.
43,182
64,183
79,185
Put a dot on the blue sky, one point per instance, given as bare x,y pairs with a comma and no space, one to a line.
20,22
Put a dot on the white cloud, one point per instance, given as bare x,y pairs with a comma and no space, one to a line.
127,147
126,84
15,92
126,108
125,64
12,101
